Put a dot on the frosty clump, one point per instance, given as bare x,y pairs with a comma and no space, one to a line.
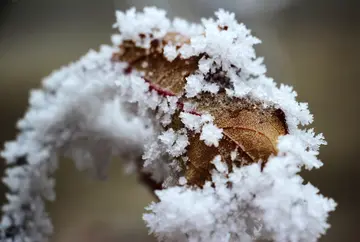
190,109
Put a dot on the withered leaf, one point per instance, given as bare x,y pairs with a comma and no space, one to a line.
247,127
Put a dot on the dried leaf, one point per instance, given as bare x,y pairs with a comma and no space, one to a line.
166,75
247,127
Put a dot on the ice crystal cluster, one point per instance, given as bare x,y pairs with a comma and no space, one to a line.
96,108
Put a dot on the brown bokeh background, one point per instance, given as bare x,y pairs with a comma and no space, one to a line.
312,45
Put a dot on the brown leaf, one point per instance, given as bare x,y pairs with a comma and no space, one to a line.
247,127
169,76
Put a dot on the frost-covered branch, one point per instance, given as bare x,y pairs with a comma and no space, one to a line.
189,107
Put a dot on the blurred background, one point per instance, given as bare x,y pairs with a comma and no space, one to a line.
312,45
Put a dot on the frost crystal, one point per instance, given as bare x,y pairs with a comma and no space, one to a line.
211,134
175,142
170,52
220,166
142,27
195,84
80,113
97,108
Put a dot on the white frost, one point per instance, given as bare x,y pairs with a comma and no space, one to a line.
170,52
211,134
78,113
272,204
175,142
91,111
139,26
219,165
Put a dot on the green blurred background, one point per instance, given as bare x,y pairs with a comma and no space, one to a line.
313,45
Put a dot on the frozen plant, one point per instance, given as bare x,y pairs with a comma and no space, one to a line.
190,109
